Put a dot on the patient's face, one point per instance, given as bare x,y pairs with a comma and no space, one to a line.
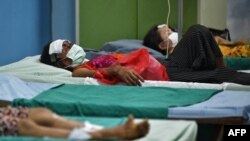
65,49
64,62
164,31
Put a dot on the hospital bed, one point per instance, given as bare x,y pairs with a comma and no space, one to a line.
13,88
30,70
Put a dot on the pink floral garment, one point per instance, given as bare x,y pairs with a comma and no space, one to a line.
103,61
9,118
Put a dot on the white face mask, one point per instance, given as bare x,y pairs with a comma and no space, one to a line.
76,54
174,38
56,46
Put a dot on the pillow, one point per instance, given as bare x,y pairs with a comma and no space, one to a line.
128,45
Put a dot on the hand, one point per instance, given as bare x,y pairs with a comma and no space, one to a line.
129,76
166,44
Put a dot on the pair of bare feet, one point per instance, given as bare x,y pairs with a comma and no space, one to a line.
128,131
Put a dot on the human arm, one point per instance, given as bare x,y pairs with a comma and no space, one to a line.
83,72
167,45
125,74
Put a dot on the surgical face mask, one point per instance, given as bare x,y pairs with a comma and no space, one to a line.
174,38
76,54
56,46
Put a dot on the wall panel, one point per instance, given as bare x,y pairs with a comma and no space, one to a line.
24,28
107,20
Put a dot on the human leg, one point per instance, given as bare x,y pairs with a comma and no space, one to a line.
127,131
196,50
45,117
27,127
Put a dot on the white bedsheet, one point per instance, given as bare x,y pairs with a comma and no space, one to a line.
12,88
171,130
31,69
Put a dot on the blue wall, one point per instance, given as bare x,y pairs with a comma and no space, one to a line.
63,19
24,28
27,25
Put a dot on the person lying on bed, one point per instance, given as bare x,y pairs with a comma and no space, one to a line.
41,122
195,58
238,48
131,68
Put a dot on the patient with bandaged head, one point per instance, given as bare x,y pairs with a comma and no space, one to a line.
63,54
41,122
132,68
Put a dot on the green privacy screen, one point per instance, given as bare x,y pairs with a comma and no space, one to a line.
108,20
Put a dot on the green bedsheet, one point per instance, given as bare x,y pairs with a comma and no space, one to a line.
106,122
115,101
237,63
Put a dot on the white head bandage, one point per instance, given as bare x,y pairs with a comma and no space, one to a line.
161,26
76,54
174,38
56,46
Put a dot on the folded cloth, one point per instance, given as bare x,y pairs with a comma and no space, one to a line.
89,127
79,134
82,133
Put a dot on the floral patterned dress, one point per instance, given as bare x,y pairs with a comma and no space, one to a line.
9,118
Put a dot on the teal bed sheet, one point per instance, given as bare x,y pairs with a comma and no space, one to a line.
115,101
237,63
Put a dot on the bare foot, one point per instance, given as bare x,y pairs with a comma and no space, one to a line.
131,130
128,131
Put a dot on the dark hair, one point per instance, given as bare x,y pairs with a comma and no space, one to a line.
48,59
152,39
45,57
